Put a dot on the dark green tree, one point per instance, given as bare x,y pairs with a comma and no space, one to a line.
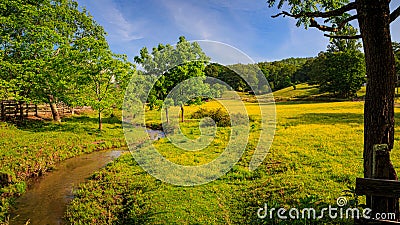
170,65
340,73
396,50
38,46
227,75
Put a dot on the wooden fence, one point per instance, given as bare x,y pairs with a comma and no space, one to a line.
381,191
12,110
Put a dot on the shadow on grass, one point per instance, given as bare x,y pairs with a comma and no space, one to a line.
332,118
144,218
94,120
304,102
327,118
76,124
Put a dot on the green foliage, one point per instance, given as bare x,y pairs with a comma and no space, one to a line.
171,65
219,116
340,73
51,51
298,7
279,74
285,73
342,45
302,74
37,47
107,76
227,75
396,50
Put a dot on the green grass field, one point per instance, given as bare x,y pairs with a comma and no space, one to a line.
316,155
307,92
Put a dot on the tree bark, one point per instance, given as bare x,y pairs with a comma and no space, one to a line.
182,116
374,22
54,110
166,114
100,122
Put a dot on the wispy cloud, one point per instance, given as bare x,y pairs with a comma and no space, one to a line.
117,25
225,21
195,19
244,24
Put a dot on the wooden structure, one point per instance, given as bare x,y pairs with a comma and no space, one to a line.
382,191
18,110
11,109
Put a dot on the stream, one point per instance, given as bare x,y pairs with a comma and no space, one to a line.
45,202
46,199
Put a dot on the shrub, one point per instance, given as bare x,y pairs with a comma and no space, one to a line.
169,128
220,117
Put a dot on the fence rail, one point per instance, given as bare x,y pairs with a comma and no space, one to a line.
11,110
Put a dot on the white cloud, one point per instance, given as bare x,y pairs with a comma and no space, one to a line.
199,21
118,27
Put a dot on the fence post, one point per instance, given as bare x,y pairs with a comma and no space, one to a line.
15,109
36,111
2,111
382,168
21,110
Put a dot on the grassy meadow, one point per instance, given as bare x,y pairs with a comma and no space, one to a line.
309,92
315,157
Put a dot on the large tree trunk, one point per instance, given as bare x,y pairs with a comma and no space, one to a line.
374,21
53,107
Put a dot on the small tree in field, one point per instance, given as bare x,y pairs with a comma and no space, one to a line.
106,83
167,104
170,65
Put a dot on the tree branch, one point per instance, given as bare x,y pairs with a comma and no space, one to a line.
57,52
344,36
315,24
336,12
395,14
344,22
341,25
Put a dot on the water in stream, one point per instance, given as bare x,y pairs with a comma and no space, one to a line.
46,201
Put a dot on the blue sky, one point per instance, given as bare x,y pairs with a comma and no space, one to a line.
244,24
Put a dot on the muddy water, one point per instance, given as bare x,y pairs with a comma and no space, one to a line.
46,201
